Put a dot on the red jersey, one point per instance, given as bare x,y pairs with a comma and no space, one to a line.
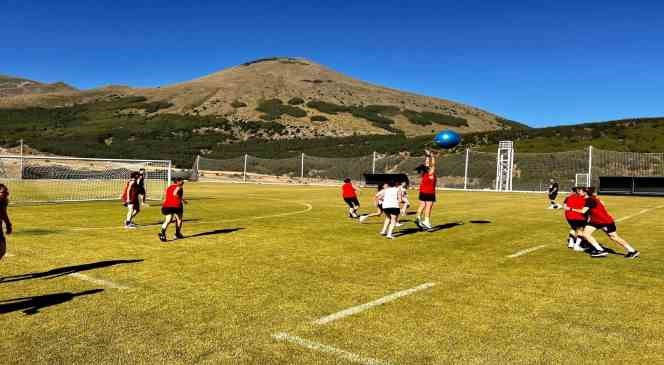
597,211
172,201
428,183
575,201
348,191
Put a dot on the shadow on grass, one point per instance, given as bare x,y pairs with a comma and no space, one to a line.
480,221
216,231
36,232
440,227
155,224
62,271
32,305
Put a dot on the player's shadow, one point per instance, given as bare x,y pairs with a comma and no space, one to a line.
155,224
62,271
214,232
440,227
32,305
480,221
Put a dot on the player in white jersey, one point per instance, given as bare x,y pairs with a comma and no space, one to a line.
403,187
378,202
392,199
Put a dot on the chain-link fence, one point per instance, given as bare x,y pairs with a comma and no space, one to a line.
472,170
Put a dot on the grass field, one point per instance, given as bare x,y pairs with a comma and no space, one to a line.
262,264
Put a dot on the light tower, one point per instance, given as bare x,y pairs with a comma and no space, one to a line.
504,163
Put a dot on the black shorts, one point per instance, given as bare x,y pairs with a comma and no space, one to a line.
553,196
427,197
136,205
380,207
168,210
391,211
576,224
607,228
352,202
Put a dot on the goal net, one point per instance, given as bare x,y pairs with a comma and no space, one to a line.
60,179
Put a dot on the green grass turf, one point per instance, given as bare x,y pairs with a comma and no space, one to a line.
219,298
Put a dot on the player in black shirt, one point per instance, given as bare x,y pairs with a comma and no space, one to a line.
553,193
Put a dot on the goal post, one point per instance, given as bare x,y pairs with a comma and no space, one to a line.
37,179
582,180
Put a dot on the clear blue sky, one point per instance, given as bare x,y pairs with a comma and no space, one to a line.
539,62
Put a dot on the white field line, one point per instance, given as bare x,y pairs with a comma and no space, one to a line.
362,307
9,255
307,208
317,346
107,283
526,251
639,213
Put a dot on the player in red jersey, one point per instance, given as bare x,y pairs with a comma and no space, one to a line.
173,208
4,219
130,199
349,194
599,218
427,173
577,221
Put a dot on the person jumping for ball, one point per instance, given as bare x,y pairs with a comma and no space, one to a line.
4,219
173,209
378,203
599,218
427,173
349,194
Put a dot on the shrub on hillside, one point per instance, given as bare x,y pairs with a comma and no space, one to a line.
296,101
319,118
238,104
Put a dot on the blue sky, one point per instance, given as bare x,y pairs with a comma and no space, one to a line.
539,62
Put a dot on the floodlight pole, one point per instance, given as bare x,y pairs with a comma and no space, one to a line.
373,163
244,170
302,167
590,165
170,165
465,173
20,177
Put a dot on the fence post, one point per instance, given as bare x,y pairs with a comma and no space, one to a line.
302,167
373,163
465,173
170,166
20,177
244,170
590,165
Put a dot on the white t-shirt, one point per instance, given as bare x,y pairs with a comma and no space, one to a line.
391,198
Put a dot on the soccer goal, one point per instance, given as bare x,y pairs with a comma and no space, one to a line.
59,179
582,180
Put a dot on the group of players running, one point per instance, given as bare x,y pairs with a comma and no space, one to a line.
391,200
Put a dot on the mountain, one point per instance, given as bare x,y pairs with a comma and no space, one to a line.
298,97
15,86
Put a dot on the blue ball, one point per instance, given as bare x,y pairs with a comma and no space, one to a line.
447,139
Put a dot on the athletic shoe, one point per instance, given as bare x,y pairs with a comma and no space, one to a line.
389,237
179,235
363,218
426,226
162,237
578,248
383,233
570,245
398,225
598,253
130,226
632,255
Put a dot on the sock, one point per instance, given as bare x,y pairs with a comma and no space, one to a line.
389,230
596,246
426,222
629,247
578,241
570,239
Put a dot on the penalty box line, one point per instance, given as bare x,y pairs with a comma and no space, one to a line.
529,250
363,307
317,346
